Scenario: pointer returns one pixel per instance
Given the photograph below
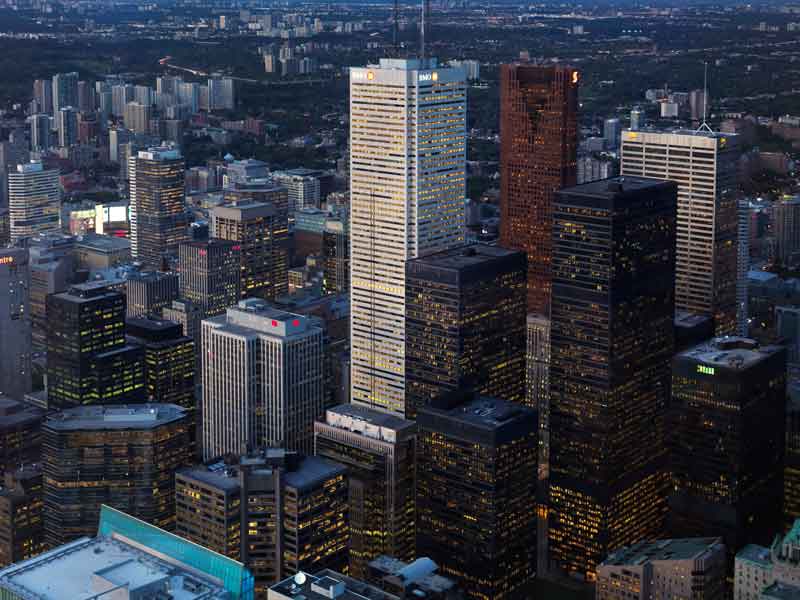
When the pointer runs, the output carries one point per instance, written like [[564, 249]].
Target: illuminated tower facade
[[407, 159], [538, 157], [612, 342]]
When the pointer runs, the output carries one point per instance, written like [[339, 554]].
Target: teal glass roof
[[233, 575]]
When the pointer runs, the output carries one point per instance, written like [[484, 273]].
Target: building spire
[[704, 126]]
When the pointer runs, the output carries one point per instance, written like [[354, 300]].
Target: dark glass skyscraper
[[465, 324], [538, 157], [210, 274], [611, 344], [727, 423], [336, 250], [88, 359], [476, 492]]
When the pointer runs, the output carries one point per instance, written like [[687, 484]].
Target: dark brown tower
[[538, 131]]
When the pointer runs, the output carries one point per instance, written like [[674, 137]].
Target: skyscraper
[[261, 231], [727, 424], [65, 91], [20, 434], [465, 324], [336, 251], [407, 159], [742, 266], [611, 344], [40, 131], [88, 359], [149, 292], [15, 323], [612, 130], [262, 380], [123, 456], [277, 512], [159, 222], [210, 274], [21, 515], [538, 154], [476, 484], [43, 95], [67, 126], [137, 117], [380, 455], [34, 200], [704, 165]]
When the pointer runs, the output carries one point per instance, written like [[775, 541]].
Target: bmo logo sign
[[434, 76]]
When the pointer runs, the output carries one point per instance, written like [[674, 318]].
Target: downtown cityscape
[[442, 300]]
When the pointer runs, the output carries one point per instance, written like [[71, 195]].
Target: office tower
[[221, 93], [40, 131], [188, 314], [52, 266], [704, 165], [391, 221], [159, 221], [408, 580], [692, 568], [637, 119], [123, 456], [769, 572], [189, 95], [5, 227], [67, 126], [336, 252], [465, 324], [281, 352], [482, 535], [34, 201], [210, 274], [21, 508], [379, 453], [20, 435], [261, 231], [277, 512], [127, 559], [121, 94], [86, 97], [791, 462], [786, 224], [612, 131], [117, 137], [539, 140], [698, 104], [168, 362], [303, 186], [137, 117], [727, 440], [65, 91], [742, 266], [105, 106], [611, 342], [88, 359], [43, 95], [15, 323], [148, 293]]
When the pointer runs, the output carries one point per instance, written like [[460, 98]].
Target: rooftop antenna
[[422, 31], [704, 126], [395, 28]]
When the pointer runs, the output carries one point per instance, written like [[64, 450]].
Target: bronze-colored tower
[[538, 131]]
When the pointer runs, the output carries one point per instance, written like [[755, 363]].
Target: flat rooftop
[[675, 549], [312, 471], [704, 133], [124, 416], [466, 256], [217, 475], [14, 414], [615, 187], [483, 412], [368, 415], [253, 316], [103, 243], [86, 567], [755, 554], [322, 585], [731, 352]]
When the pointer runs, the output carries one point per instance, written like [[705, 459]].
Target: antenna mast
[[395, 29], [425, 11], [704, 125]]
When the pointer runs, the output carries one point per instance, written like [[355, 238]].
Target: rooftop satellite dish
[[300, 578]]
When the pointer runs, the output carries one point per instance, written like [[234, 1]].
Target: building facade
[[210, 274], [336, 252], [406, 200], [149, 292], [122, 456], [380, 455], [159, 221], [34, 201], [611, 341], [15, 323], [21, 516], [262, 380], [704, 165], [483, 535], [538, 154], [465, 324], [727, 443]]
